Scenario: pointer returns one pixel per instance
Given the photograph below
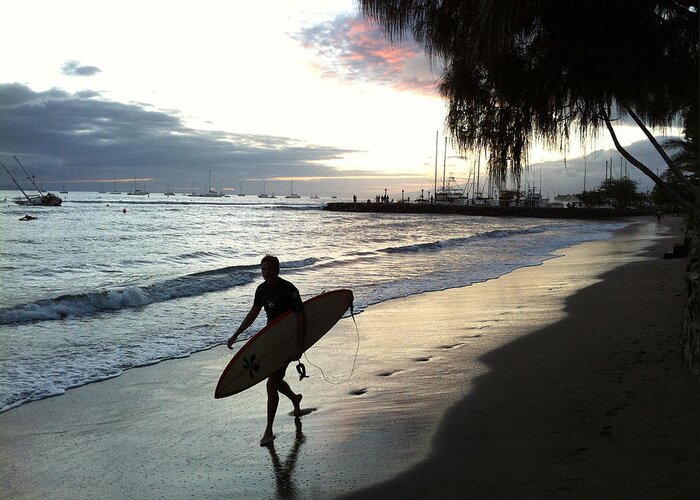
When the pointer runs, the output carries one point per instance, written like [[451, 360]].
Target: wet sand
[[562, 380]]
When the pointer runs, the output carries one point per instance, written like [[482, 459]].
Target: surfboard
[[273, 346]]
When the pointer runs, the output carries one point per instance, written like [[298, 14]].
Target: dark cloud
[[16, 94], [73, 68], [68, 137], [348, 48]]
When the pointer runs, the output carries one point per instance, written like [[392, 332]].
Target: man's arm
[[247, 321]]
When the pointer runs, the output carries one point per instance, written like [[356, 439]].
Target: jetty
[[488, 210]]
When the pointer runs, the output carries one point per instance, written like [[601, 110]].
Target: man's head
[[270, 267]]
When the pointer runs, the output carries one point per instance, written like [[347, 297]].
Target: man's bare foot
[[297, 409], [267, 439]]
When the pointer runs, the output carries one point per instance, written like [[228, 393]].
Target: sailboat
[[42, 200], [291, 191], [137, 192], [168, 192], [450, 192], [263, 194], [210, 193]]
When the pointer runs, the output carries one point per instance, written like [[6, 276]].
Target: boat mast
[[30, 177], [436, 161], [478, 175], [444, 165], [15, 181]]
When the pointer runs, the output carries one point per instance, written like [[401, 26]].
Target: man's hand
[[231, 340]]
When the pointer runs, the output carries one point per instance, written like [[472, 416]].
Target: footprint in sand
[[477, 336], [387, 373], [577, 452], [422, 359], [451, 346], [358, 392], [613, 411]]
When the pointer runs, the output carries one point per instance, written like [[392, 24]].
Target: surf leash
[[301, 370], [357, 350]]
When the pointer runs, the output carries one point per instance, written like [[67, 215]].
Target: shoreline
[[618, 416], [157, 430]]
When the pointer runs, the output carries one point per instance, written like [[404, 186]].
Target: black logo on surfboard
[[250, 365]]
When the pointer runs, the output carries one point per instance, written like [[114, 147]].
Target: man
[[277, 296]]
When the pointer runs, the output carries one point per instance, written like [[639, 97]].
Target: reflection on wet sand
[[286, 488]]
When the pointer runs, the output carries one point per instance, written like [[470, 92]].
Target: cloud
[[73, 68], [350, 49], [68, 137], [570, 176]]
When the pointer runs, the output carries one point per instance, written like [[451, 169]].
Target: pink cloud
[[350, 49]]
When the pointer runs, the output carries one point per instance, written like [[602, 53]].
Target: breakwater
[[487, 210]]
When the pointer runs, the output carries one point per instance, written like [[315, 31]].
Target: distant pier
[[486, 210]]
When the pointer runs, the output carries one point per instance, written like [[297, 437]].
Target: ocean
[[109, 282]]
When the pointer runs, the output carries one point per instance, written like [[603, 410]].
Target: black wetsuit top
[[278, 298]]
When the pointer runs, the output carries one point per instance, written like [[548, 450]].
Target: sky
[[258, 93]]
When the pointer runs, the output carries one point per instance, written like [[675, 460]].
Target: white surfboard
[[273, 346]]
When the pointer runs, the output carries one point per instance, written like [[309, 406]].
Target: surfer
[[277, 296]]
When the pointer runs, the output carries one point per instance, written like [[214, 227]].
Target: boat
[[137, 192], [450, 192], [264, 194], [533, 198], [168, 192], [508, 198], [114, 188], [40, 200], [210, 193], [43, 200], [291, 191]]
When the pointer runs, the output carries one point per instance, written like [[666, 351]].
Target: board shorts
[[278, 375]]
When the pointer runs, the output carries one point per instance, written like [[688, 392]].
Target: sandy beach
[[557, 381]]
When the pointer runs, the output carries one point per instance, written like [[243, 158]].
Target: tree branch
[[671, 164], [634, 161]]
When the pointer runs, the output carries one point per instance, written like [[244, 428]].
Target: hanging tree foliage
[[526, 71]]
